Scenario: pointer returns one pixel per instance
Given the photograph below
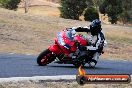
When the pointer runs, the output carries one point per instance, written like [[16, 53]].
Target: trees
[[13, 4], [117, 10], [9, 4], [113, 8], [91, 14], [92, 11], [72, 9], [126, 16], [26, 5]]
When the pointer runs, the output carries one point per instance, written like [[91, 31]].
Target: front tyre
[[45, 58]]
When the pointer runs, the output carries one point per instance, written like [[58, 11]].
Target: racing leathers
[[96, 42]]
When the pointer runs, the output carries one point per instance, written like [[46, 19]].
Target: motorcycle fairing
[[82, 41], [55, 49]]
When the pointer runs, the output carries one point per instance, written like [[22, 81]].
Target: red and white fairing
[[66, 38]]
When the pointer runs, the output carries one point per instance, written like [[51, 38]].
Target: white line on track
[[11, 53], [25, 54], [37, 78], [41, 78], [29, 54]]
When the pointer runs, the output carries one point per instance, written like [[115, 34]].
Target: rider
[[97, 39]]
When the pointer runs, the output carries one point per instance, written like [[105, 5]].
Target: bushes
[[91, 14], [113, 8], [9, 4], [72, 9]]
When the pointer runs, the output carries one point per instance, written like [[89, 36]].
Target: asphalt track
[[18, 65]]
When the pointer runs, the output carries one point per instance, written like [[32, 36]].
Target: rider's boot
[[94, 60], [96, 56]]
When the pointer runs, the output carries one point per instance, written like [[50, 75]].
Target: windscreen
[[60, 39], [69, 35]]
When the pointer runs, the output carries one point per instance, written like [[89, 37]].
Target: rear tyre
[[45, 58]]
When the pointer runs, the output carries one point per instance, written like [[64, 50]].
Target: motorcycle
[[66, 50]]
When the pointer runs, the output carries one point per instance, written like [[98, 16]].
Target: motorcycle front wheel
[[45, 58]]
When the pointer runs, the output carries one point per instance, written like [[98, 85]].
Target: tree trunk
[[26, 6]]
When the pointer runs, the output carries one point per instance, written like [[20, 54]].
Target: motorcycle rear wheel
[[45, 58]]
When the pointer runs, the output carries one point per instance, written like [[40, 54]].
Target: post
[[25, 6]]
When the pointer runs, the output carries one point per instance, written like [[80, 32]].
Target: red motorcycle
[[66, 50]]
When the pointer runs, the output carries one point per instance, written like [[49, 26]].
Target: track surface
[[18, 65]]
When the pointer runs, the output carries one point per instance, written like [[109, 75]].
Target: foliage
[[126, 16], [9, 4], [117, 10], [72, 9], [113, 8], [91, 14]]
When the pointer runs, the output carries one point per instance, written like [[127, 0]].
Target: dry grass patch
[[42, 10], [120, 35], [119, 42]]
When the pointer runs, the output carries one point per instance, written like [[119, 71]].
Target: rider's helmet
[[95, 27]]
